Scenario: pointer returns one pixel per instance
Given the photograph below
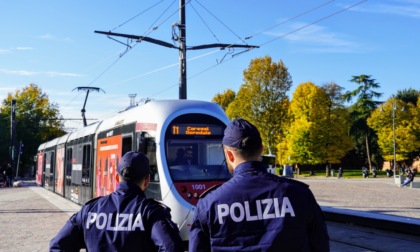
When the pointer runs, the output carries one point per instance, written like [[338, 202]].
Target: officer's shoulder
[[93, 200], [297, 182], [209, 190], [158, 203]]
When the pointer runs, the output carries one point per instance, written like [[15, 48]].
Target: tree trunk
[[367, 153]]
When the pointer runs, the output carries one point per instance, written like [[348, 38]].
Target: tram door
[[67, 172], [86, 182], [127, 144], [59, 170], [39, 168], [147, 145], [49, 165]]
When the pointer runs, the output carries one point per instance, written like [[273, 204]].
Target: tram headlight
[[183, 189], [189, 195], [196, 195]]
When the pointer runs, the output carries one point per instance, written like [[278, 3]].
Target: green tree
[[225, 98], [318, 131], [337, 124], [263, 99], [307, 108], [37, 121], [407, 129], [408, 96], [364, 137]]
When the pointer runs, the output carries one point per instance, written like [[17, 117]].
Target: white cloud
[[406, 8], [29, 73], [47, 37], [4, 51], [23, 48], [318, 38], [57, 74], [17, 72], [54, 38]]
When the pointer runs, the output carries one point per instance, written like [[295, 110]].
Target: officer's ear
[[117, 178], [229, 155], [145, 182]]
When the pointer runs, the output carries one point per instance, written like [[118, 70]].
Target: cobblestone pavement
[[30, 216], [375, 195]]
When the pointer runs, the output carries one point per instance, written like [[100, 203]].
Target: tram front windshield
[[191, 160], [194, 152]]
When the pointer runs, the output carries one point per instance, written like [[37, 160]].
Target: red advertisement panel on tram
[[109, 153]]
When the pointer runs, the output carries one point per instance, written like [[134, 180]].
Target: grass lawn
[[348, 174]]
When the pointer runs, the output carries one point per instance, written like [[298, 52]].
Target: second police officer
[[124, 220], [256, 210]]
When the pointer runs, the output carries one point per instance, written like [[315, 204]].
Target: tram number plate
[[198, 187]]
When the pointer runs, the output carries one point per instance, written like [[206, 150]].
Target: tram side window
[[126, 145], [86, 165], [147, 145], [52, 163], [52, 167], [69, 158], [151, 154]]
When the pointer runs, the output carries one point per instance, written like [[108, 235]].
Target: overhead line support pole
[[182, 40], [182, 52]]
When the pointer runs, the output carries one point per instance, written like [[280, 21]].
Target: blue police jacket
[[122, 221], [258, 211]]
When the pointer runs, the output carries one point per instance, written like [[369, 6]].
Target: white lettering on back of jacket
[[119, 222], [266, 209]]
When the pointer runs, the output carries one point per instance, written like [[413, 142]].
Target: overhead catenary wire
[[283, 35], [139, 14], [290, 19], [243, 40], [314, 22], [263, 44], [204, 22], [288, 33], [131, 47], [221, 22], [153, 27]]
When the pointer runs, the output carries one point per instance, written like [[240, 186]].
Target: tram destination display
[[197, 129]]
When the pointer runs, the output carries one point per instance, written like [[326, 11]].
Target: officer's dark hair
[[135, 181], [249, 148]]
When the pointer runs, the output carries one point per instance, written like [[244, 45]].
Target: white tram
[[82, 164]]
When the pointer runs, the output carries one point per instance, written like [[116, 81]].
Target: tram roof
[[63, 139], [158, 111], [85, 131]]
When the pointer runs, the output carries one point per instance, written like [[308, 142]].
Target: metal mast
[[181, 38], [182, 52]]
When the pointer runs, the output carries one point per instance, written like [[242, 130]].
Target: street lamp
[[394, 108]]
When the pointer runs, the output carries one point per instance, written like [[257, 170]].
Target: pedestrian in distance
[[256, 210], [9, 175], [125, 220], [410, 177]]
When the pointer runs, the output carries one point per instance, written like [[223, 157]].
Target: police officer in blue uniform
[[256, 210], [124, 220]]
